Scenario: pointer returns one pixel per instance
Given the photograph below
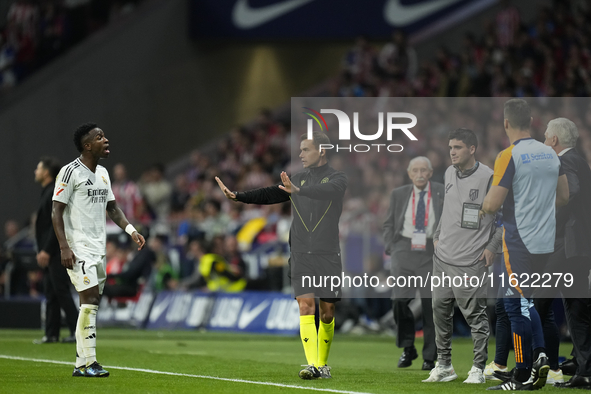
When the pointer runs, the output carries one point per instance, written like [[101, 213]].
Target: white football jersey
[[86, 194]]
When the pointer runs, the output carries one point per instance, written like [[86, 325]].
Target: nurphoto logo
[[345, 129]]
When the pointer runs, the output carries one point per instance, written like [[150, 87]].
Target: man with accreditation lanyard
[[464, 248], [412, 218]]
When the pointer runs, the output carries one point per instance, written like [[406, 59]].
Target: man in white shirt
[[82, 195]]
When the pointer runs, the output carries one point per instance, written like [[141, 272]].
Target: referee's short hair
[[518, 113], [52, 165], [565, 130], [318, 139], [467, 136]]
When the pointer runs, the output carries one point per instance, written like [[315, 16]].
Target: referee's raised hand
[[287, 185], [225, 190]]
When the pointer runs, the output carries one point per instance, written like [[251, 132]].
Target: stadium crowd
[[37, 31], [545, 57], [189, 217]]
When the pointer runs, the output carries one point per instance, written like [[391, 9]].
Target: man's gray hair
[[565, 130], [413, 161]]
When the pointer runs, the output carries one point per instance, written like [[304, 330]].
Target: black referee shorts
[[313, 273]]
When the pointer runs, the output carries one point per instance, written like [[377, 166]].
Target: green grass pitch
[[249, 363]]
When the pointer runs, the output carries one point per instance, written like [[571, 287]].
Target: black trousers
[[405, 326], [58, 296], [578, 317], [551, 336], [422, 264], [576, 306]]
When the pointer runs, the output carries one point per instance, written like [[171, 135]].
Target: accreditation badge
[[418, 241], [471, 216]]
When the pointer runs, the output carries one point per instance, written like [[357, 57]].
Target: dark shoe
[[78, 372], [514, 385], [45, 339], [70, 339], [539, 372], [309, 372], [504, 376], [576, 382], [428, 365], [569, 367], [407, 357], [95, 370], [325, 372]]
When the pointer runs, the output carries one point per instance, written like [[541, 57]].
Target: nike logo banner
[[248, 315], [397, 13], [248, 311], [325, 18], [246, 17]]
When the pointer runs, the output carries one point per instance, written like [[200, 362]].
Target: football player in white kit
[[81, 197]]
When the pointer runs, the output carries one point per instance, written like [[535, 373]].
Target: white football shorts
[[88, 271]]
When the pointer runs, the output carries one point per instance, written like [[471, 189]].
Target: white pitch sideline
[[38, 360]]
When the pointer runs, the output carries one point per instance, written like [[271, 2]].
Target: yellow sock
[[325, 335], [309, 338]]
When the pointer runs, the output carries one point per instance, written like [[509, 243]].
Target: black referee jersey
[[316, 208]]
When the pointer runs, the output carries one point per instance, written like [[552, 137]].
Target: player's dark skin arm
[[57, 217], [118, 217]]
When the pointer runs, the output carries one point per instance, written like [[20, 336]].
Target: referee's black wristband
[[236, 196]]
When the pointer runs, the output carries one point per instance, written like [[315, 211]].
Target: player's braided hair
[[81, 132]]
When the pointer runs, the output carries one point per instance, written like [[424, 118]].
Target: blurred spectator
[[143, 213], [22, 18], [235, 220], [157, 191], [215, 222], [116, 258], [126, 193], [236, 265], [360, 61], [197, 248], [256, 177], [36, 32], [7, 59], [266, 123], [212, 272], [11, 229], [180, 194], [397, 59], [163, 276], [507, 23], [53, 32], [133, 275], [190, 261], [18, 245], [190, 227]]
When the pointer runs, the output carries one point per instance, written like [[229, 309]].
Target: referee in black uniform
[[55, 278], [317, 198]]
